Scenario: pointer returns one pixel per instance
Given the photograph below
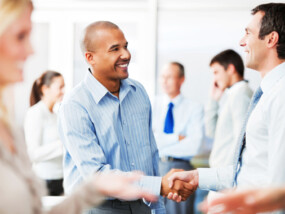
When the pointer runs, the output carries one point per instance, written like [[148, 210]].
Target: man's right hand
[[179, 190], [190, 177], [216, 93]]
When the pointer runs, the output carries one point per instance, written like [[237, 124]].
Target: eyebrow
[[116, 46]]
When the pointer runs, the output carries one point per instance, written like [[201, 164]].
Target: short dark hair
[[273, 20], [180, 68], [227, 57]]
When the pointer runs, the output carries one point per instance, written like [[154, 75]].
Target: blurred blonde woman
[[21, 191], [43, 143]]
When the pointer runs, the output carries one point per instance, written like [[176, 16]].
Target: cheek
[[11, 51]]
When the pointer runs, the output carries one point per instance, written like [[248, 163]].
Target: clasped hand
[[177, 185]]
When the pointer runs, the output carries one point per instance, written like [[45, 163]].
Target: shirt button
[[133, 164]]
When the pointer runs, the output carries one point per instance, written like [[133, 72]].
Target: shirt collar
[[272, 77], [99, 91], [236, 85], [175, 101]]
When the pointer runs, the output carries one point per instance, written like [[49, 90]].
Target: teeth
[[123, 66]]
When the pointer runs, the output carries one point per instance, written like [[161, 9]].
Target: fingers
[[175, 197], [177, 176], [181, 191]]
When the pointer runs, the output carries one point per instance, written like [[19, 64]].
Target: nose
[[242, 42], [126, 55]]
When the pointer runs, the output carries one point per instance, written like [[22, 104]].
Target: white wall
[[158, 31]]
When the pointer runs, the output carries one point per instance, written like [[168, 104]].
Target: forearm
[[164, 140], [186, 148], [84, 197], [45, 152], [216, 179]]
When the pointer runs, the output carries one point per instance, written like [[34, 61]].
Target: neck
[[112, 85], [269, 65], [48, 103], [172, 96], [235, 79]]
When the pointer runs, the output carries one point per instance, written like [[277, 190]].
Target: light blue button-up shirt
[[101, 132]]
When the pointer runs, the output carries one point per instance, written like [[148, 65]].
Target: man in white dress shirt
[[261, 161], [181, 139], [224, 123]]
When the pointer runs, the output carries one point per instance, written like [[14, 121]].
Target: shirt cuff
[[151, 184], [208, 178]]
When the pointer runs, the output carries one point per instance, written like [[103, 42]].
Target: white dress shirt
[[225, 126], [264, 155], [188, 121], [44, 146]]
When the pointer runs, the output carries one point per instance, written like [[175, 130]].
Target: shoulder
[[36, 110], [192, 104], [276, 94], [158, 102], [138, 88], [242, 91], [78, 95], [135, 84]]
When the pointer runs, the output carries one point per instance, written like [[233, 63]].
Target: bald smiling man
[[105, 123]]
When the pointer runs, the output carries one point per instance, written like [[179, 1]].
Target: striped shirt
[[101, 132]]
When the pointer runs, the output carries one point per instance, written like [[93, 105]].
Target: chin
[[124, 76]]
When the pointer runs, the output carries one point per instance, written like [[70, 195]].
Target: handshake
[[178, 185]]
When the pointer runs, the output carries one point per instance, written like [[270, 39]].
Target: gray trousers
[[185, 207], [121, 207]]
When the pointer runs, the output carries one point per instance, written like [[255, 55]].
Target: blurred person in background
[[249, 201], [178, 129], [224, 123], [43, 143], [21, 190]]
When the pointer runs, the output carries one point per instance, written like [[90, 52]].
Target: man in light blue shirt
[[105, 123], [178, 146]]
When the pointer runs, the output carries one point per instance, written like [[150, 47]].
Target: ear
[[89, 58], [231, 69], [182, 79], [44, 89], [272, 39]]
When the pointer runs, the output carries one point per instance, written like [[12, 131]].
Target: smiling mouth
[[123, 65]]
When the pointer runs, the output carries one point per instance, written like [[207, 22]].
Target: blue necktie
[[169, 121], [242, 137]]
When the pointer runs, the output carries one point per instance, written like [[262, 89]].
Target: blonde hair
[[10, 10]]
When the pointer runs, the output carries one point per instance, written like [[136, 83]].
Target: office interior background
[[158, 31]]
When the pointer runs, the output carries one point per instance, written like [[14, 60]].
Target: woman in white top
[[43, 143], [20, 190]]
